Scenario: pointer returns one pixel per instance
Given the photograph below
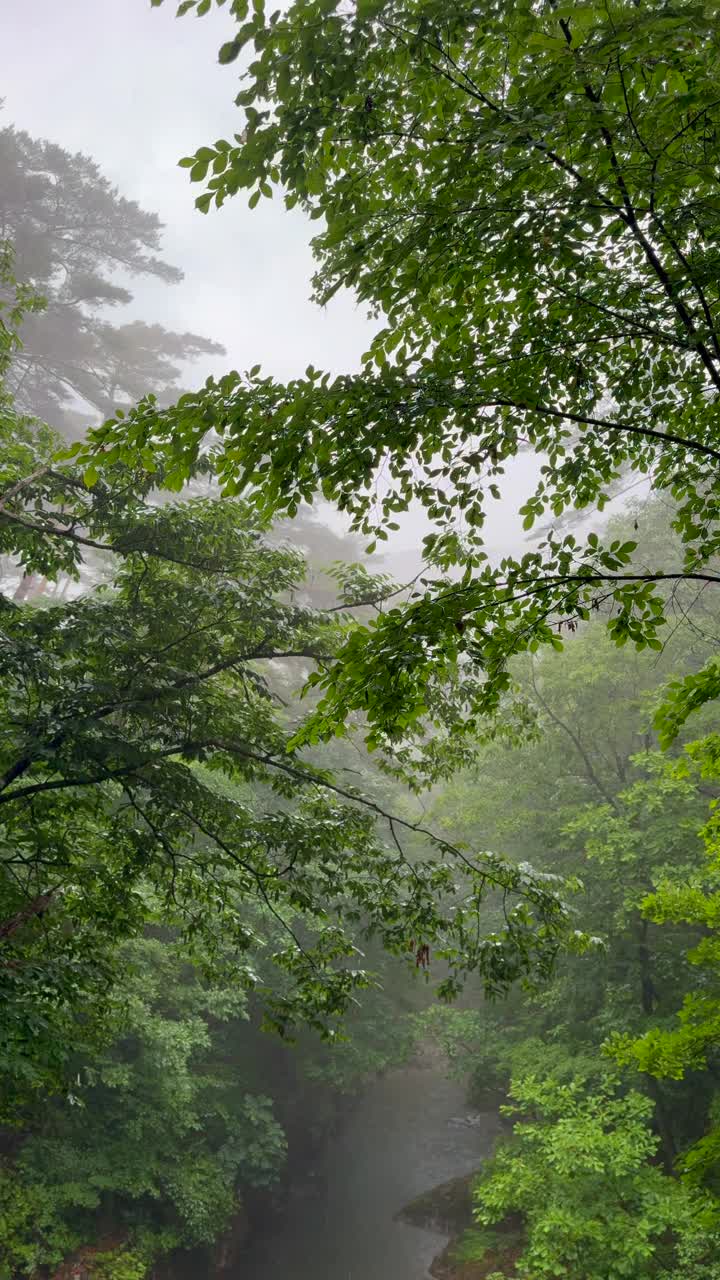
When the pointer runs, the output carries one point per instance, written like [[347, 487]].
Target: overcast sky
[[136, 89]]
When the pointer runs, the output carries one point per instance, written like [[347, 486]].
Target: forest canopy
[[137, 712], [524, 198], [525, 195]]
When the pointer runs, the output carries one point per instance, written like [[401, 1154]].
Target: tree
[[526, 195], [132, 713], [588, 797], [578, 1169], [688, 1043], [161, 1135], [72, 234], [581, 797]]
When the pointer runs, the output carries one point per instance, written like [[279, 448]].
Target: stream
[[409, 1132]]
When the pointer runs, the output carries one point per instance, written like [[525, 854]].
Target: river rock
[[446, 1209]]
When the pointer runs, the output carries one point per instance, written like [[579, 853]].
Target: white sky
[[136, 89]]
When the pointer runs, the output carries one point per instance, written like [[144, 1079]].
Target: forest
[[299, 845]]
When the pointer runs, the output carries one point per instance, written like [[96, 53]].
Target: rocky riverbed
[[447, 1209], [409, 1132]]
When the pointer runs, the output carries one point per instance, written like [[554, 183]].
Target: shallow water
[[410, 1131]]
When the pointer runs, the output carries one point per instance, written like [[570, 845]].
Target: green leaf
[[229, 52]]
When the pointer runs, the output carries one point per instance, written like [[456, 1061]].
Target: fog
[[137, 89], [412, 972]]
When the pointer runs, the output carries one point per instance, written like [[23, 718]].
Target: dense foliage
[[579, 1172], [127, 705], [524, 195], [171, 864], [611, 1097]]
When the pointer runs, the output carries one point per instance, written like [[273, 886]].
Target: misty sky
[[136, 89]]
